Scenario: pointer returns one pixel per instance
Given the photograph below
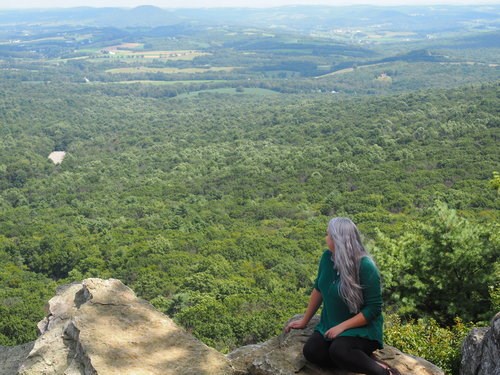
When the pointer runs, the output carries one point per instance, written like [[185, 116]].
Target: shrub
[[425, 338]]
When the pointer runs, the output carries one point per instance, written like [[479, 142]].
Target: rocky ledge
[[101, 327], [282, 355], [481, 350]]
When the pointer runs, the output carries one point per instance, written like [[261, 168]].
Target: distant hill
[[297, 18], [118, 17]]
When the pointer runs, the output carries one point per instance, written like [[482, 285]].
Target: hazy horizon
[[33, 4]]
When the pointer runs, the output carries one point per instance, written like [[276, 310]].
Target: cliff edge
[[101, 327]]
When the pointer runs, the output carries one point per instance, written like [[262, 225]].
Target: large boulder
[[101, 327], [282, 355], [481, 350]]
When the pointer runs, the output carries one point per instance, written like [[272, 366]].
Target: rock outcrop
[[481, 350], [99, 327], [282, 355]]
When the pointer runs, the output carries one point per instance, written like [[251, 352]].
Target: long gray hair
[[347, 257]]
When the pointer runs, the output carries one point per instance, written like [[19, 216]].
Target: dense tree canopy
[[215, 205]]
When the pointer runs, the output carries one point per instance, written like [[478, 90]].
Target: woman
[[348, 285]]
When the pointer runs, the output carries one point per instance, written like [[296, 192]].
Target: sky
[[23, 4]]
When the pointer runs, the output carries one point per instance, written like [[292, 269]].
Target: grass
[[151, 82], [232, 91], [124, 46], [142, 69], [348, 70], [390, 35], [164, 55]]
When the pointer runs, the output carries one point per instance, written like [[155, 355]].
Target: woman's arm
[[357, 320], [315, 301]]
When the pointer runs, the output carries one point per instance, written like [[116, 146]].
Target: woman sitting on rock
[[351, 323]]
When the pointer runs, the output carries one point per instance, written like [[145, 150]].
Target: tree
[[495, 181], [441, 267]]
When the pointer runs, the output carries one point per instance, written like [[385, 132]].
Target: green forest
[[209, 193]]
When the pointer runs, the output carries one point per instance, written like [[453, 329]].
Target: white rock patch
[[57, 156]]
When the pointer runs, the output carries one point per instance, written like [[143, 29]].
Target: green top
[[335, 310]]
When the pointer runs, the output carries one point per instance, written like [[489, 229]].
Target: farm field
[[236, 91], [162, 55], [153, 82], [143, 69]]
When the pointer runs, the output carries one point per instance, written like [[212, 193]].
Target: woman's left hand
[[334, 332]]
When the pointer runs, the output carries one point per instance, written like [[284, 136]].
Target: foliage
[[427, 339], [224, 201], [494, 289], [22, 297], [495, 181], [445, 267]]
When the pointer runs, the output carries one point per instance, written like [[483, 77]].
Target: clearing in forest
[[143, 69], [121, 52]]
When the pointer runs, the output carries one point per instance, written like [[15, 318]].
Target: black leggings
[[347, 353]]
